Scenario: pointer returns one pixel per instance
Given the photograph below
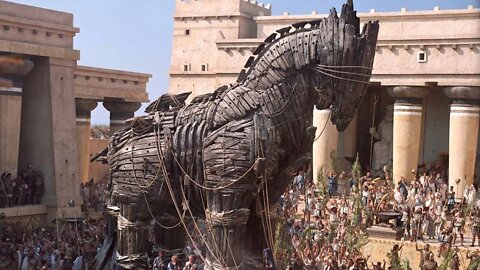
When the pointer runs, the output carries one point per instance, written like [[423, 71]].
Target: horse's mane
[[348, 15]]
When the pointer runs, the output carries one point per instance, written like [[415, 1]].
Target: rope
[[196, 225], [133, 167], [125, 224], [284, 106], [233, 217], [210, 227], [337, 77], [362, 67], [158, 222], [293, 119], [151, 183], [263, 225], [167, 180], [221, 267], [267, 214], [230, 249], [140, 125], [324, 127], [344, 72], [157, 146], [212, 188], [132, 261], [159, 248], [159, 150], [267, 225]]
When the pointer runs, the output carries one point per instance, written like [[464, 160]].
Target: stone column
[[119, 112], [10, 116], [349, 139], [12, 69], [325, 144], [407, 127], [463, 136], [84, 107], [48, 140]]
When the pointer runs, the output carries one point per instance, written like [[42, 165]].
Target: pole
[[76, 229], [375, 100]]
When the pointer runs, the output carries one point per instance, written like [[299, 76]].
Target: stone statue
[[383, 149], [211, 159]]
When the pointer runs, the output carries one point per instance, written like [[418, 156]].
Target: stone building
[[425, 83], [45, 110]]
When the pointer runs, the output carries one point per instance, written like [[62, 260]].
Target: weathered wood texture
[[220, 152]]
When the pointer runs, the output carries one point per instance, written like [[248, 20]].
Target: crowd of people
[[24, 189], [68, 244], [28, 187], [161, 262], [94, 195], [64, 246], [327, 224]]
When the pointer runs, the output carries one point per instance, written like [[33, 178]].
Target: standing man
[[458, 226], [475, 217], [191, 264], [424, 254], [300, 181], [173, 263], [332, 184], [159, 262]]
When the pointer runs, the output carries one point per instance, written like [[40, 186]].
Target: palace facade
[[422, 106], [46, 103]]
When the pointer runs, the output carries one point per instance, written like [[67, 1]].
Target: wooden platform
[[24, 217]]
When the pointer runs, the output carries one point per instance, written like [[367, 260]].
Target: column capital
[[83, 108], [463, 94], [15, 64], [408, 93], [82, 104], [121, 106]]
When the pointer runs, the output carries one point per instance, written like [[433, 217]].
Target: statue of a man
[[383, 149]]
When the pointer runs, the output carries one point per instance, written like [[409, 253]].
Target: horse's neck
[[283, 58], [289, 105]]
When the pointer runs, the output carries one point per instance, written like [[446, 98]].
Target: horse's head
[[344, 63], [332, 50]]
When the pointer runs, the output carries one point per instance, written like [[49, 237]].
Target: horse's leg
[[228, 162], [170, 234], [133, 234], [226, 225]]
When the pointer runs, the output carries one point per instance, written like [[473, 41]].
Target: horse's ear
[[350, 15], [333, 13]]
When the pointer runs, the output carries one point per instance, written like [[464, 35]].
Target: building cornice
[[112, 74], [40, 50], [238, 44], [366, 16], [454, 43], [29, 24], [213, 17], [194, 73], [100, 83]]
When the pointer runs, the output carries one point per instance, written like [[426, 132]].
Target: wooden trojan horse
[[212, 159]]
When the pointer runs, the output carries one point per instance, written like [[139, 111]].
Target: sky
[[136, 35]]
